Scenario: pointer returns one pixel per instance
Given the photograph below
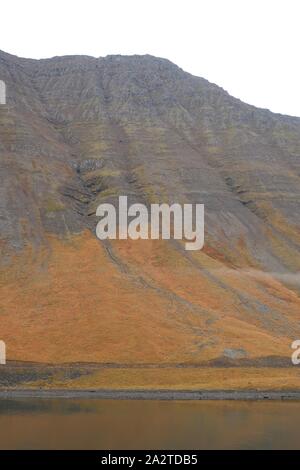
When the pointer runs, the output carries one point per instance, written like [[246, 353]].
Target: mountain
[[77, 131]]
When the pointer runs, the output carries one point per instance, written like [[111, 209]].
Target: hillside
[[77, 131]]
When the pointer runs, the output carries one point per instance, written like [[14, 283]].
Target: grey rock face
[[77, 131]]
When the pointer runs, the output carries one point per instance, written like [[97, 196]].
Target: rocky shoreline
[[155, 394]]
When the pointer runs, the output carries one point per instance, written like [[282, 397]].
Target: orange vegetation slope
[[78, 300]]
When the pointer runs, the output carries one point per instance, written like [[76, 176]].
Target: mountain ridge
[[135, 56], [78, 131]]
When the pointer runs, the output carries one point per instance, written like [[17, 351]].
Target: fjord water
[[145, 424]]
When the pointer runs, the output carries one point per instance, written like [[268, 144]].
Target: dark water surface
[[145, 424]]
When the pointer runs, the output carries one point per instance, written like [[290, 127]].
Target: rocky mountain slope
[[78, 131]]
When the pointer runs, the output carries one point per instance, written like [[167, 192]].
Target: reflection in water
[[145, 424]]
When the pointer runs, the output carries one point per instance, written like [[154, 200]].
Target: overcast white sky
[[249, 47]]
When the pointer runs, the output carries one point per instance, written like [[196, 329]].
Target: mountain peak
[[78, 131]]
